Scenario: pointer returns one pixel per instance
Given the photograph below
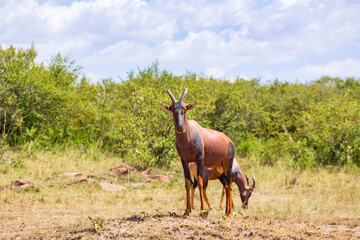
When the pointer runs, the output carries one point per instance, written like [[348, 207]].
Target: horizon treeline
[[54, 104]]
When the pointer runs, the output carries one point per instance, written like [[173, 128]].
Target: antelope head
[[249, 190], [178, 108]]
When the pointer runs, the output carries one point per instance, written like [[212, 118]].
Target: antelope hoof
[[187, 212], [204, 214]]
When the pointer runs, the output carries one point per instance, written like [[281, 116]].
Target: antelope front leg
[[187, 187], [200, 173]]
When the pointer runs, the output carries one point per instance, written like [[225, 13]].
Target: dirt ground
[[164, 227], [173, 226]]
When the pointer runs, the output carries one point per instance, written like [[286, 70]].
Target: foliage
[[304, 124], [97, 223]]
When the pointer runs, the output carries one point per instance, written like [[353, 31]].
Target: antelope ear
[[165, 107], [190, 106]]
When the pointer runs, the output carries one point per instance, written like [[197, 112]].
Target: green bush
[[307, 125]]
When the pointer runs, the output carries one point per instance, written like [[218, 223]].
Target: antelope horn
[[171, 96], [247, 180], [183, 95], [253, 181]]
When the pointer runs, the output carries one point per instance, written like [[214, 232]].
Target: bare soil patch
[[161, 226]]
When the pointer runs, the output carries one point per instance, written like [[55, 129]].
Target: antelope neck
[[184, 136], [241, 183]]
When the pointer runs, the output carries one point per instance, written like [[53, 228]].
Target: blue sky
[[287, 40]]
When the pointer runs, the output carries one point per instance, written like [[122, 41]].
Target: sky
[[288, 40]]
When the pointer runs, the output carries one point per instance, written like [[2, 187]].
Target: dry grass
[[322, 203]]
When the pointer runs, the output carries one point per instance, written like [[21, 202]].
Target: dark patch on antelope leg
[[231, 155], [223, 180], [199, 147], [231, 150], [194, 185], [187, 187], [206, 177], [191, 182], [186, 170]]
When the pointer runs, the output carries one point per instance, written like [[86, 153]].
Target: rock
[[134, 184], [162, 177], [83, 180], [18, 184], [111, 186], [72, 174], [121, 170], [146, 173], [159, 177]]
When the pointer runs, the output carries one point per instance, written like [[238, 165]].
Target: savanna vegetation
[[300, 140], [54, 104]]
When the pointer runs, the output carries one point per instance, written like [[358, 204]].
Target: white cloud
[[339, 68], [220, 38], [129, 52], [285, 4], [98, 21]]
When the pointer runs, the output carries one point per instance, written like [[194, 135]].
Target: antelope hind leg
[[229, 209], [207, 200], [222, 198]]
